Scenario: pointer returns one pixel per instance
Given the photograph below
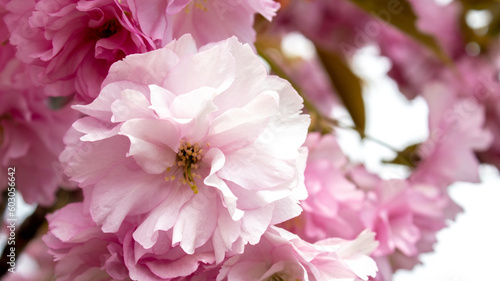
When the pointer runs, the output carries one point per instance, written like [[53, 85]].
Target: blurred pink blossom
[[30, 132], [456, 132], [333, 205], [477, 81], [405, 217], [344, 199], [414, 65], [207, 21], [334, 24], [30, 141], [70, 44], [80, 249], [442, 22]]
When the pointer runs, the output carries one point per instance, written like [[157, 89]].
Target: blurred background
[[467, 249]]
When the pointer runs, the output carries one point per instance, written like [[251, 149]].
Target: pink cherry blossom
[[405, 217], [80, 249], [71, 44], [30, 132], [413, 65], [13, 74], [30, 141], [345, 28], [83, 252], [456, 132], [281, 255], [442, 22], [433, 208], [476, 82], [334, 24], [202, 145], [391, 217], [345, 199], [333, 205], [207, 21]]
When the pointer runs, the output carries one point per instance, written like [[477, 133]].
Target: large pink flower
[[202, 145], [71, 44], [281, 255], [207, 21]]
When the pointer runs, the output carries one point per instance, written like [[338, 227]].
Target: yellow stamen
[[188, 156]]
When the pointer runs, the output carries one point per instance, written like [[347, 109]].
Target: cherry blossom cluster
[[190, 160]]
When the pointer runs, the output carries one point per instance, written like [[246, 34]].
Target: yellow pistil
[[198, 4], [188, 157]]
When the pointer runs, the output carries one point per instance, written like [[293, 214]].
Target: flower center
[[279, 277], [188, 157], [198, 4], [109, 28]]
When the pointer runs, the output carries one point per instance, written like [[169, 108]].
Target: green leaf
[[400, 14], [348, 87], [494, 26], [408, 157], [478, 4], [56, 103]]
